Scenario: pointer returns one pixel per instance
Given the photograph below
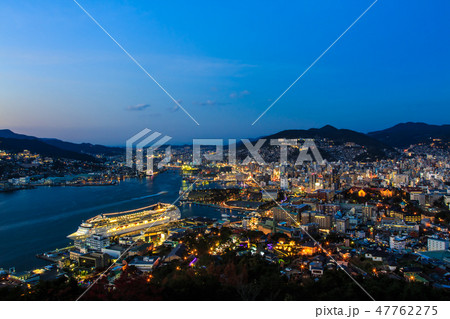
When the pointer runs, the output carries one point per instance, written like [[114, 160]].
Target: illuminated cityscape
[[373, 220], [239, 151]]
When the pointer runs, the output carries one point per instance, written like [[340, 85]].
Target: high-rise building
[[97, 242], [282, 215], [307, 217], [342, 225], [324, 221], [284, 183], [368, 213], [437, 244]]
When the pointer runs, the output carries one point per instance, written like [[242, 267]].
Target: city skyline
[[226, 151], [63, 77]]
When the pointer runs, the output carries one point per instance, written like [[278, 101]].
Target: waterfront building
[[115, 251], [97, 242], [94, 260], [145, 263]]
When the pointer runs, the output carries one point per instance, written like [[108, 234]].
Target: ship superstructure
[[120, 223]]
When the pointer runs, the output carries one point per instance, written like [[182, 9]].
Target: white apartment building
[[437, 244]]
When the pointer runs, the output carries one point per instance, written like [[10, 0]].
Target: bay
[[37, 220]]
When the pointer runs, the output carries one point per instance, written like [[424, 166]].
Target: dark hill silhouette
[[86, 148], [406, 134], [374, 147], [38, 147]]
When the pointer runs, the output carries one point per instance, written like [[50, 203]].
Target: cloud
[[213, 103], [241, 94], [138, 107], [175, 107]]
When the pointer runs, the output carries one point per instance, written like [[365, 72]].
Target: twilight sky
[[62, 76]]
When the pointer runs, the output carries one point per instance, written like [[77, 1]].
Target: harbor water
[[34, 221]]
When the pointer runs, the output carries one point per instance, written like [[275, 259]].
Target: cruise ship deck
[[120, 223]]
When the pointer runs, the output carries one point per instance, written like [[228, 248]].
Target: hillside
[[38, 147], [405, 134], [86, 148], [334, 143]]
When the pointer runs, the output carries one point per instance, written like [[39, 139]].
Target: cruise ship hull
[[120, 223]]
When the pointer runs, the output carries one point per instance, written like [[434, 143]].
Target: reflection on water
[[38, 220]]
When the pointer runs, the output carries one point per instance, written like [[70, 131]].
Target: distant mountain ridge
[[376, 145], [83, 148], [375, 149], [405, 134], [87, 148], [10, 134], [38, 147]]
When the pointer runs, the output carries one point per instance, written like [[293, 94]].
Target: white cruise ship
[[119, 223]]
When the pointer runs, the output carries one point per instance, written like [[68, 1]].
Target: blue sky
[[61, 76]]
